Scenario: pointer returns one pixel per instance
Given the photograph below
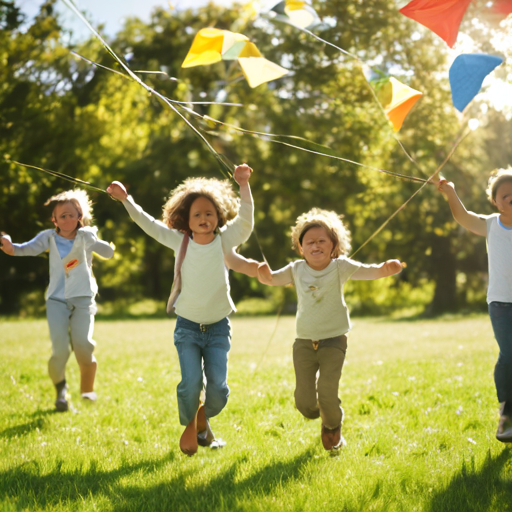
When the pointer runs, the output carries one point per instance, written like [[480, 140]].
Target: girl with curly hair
[[497, 228], [70, 304], [203, 222], [322, 316]]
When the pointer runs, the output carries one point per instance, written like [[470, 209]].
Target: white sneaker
[[92, 396]]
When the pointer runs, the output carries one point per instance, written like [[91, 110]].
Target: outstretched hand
[[117, 190], [242, 174], [392, 267], [6, 244]]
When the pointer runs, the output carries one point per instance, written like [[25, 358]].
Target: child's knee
[[307, 410]]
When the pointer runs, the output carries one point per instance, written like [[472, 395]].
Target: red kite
[[502, 7], [441, 16]]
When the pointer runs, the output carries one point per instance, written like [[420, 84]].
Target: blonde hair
[[177, 208], [498, 177], [79, 199], [331, 222]]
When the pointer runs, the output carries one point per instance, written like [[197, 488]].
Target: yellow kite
[[397, 100], [212, 45]]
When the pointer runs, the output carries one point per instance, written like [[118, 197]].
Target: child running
[[70, 304], [195, 225], [497, 228], [322, 316]]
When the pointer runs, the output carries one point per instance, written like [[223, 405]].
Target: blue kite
[[467, 74]]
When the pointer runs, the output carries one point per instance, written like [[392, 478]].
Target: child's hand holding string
[[444, 186], [6, 244], [242, 174], [117, 190]]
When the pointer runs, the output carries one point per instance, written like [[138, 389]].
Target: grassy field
[[420, 419]]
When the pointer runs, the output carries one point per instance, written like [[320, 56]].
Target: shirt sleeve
[[283, 276], [347, 267], [239, 229], [154, 228], [34, 247], [94, 244]]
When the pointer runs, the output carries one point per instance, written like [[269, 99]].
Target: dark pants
[[314, 398], [501, 320]]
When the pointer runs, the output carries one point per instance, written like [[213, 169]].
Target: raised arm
[[469, 220], [280, 277], [154, 228], [239, 230], [371, 272]]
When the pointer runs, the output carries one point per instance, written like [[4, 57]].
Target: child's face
[[203, 218], [317, 248], [65, 217], [503, 199]]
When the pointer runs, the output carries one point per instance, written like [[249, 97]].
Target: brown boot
[[188, 440]]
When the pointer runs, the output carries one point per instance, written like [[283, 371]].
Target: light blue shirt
[[64, 245]]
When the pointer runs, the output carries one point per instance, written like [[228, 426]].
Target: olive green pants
[[318, 397]]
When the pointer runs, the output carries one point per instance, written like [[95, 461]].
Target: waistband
[[194, 326]]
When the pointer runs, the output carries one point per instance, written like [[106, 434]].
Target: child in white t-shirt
[[497, 228], [322, 316], [70, 304], [203, 223]]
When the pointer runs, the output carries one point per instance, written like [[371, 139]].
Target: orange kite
[[441, 16]]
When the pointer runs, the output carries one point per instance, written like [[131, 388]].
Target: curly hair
[[331, 222], [498, 177], [177, 208], [79, 199]]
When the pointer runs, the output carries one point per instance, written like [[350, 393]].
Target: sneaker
[[91, 396], [61, 404]]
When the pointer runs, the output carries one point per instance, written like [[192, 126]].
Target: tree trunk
[[445, 272]]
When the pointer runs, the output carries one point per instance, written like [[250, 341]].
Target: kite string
[[461, 137], [149, 89]]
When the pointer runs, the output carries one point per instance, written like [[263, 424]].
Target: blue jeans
[[203, 354], [501, 320]]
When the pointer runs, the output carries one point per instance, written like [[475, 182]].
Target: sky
[[112, 12]]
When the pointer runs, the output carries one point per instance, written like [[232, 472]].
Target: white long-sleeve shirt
[[73, 273], [204, 296]]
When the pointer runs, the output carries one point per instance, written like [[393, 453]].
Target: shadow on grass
[[228, 490], [26, 428], [479, 490]]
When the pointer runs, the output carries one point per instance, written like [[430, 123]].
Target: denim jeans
[[203, 355], [501, 320]]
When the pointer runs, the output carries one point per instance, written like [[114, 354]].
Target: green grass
[[419, 401]]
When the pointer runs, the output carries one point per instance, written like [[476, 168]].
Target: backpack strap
[[176, 285]]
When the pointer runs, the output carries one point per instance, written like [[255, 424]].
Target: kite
[[467, 74], [441, 16], [296, 12], [397, 99], [212, 45]]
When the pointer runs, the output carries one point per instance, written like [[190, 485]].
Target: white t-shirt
[[499, 253], [321, 309], [204, 296]]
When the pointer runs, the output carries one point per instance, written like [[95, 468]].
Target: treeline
[[61, 113]]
